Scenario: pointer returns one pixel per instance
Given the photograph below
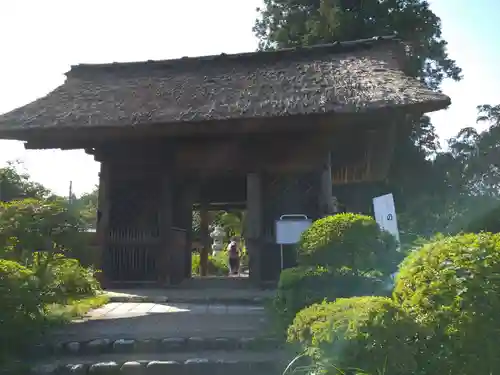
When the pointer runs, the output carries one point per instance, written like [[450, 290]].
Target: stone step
[[148, 320], [154, 345], [199, 296], [217, 282], [187, 299], [190, 363]]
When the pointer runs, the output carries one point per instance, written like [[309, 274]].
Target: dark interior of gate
[[269, 132], [149, 188], [150, 196]]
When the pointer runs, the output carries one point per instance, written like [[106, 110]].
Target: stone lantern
[[217, 236]]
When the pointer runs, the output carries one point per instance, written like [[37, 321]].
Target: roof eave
[[57, 135]]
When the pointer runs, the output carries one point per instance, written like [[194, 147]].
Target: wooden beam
[[83, 137]]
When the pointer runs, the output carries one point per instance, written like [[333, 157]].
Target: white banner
[[385, 214]]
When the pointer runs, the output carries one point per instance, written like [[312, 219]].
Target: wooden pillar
[[187, 198], [205, 237], [165, 220], [326, 187], [102, 225], [253, 223]]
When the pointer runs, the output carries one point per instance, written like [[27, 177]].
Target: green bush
[[370, 334], [66, 279], [299, 287], [31, 225], [452, 286], [349, 241], [21, 311], [217, 265], [26, 295]]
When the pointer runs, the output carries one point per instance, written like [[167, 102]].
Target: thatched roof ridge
[[186, 63], [347, 77]]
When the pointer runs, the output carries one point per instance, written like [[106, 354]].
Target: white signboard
[[290, 227], [385, 214]]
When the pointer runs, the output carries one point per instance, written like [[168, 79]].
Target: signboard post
[[289, 228], [385, 214]]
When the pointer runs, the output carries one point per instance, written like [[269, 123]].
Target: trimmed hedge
[[370, 334], [349, 241], [452, 286], [300, 287]]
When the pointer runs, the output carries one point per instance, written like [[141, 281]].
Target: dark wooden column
[[187, 199], [205, 237], [165, 220], [253, 223], [326, 186], [102, 225]]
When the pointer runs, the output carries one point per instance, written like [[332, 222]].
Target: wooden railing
[[131, 263], [133, 236]]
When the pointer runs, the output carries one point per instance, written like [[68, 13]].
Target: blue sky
[[473, 34], [40, 45]]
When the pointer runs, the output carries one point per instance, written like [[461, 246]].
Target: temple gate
[[270, 132]]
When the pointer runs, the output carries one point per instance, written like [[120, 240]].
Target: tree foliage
[[87, 205], [470, 176], [17, 185], [34, 231], [292, 23]]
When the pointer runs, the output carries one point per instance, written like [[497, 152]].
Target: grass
[[74, 309]]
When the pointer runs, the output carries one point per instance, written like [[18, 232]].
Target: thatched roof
[[338, 78]]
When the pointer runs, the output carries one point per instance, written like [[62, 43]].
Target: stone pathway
[[156, 337]]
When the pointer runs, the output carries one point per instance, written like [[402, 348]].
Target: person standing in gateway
[[234, 257]]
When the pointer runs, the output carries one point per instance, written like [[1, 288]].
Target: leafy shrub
[[452, 286], [32, 225], [21, 312], [371, 334], [349, 241], [37, 233], [66, 279], [299, 287], [195, 263], [217, 265]]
